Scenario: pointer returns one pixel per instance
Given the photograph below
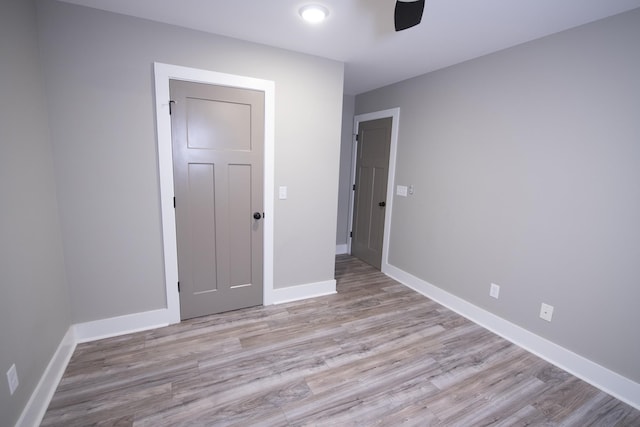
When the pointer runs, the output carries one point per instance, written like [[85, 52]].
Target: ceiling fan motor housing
[[408, 14]]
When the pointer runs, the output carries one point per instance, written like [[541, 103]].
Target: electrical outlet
[[546, 312], [12, 377], [495, 291]]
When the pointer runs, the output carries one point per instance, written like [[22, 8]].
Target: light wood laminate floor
[[375, 354]]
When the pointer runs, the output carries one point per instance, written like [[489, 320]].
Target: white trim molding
[[300, 292], [164, 73], [342, 249], [606, 380], [121, 325], [394, 113], [38, 403]]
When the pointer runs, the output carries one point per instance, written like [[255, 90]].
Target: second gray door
[[218, 139], [372, 170]]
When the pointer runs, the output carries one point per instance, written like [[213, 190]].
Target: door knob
[[382, 204], [256, 215]]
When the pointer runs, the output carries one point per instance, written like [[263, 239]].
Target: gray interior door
[[218, 144], [372, 169]]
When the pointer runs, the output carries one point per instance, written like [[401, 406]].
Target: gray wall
[[98, 75], [34, 305], [344, 191], [526, 167]]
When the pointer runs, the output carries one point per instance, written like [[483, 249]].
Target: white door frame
[[163, 73], [394, 113]]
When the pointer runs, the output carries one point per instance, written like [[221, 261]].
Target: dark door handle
[[382, 204], [256, 215]]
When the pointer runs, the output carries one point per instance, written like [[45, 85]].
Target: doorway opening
[[163, 74], [359, 120]]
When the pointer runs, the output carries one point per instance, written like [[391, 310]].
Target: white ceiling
[[360, 33]]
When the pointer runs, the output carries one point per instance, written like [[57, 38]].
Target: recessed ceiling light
[[314, 13]]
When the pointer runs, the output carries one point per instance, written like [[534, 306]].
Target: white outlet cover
[[401, 190], [12, 378], [546, 312], [494, 291]]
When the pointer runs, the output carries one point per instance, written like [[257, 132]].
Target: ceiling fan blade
[[408, 14]]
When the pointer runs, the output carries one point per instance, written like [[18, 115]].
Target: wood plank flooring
[[375, 354]]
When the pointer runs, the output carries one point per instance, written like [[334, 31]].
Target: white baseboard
[[39, 401], [342, 249], [310, 290], [606, 380], [121, 325]]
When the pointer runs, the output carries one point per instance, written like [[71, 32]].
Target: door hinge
[[351, 234], [354, 187], [357, 137], [178, 286], [174, 203], [170, 109]]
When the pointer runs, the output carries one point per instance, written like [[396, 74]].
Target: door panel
[[218, 125], [202, 232], [372, 169], [218, 138], [376, 231], [364, 197], [240, 225]]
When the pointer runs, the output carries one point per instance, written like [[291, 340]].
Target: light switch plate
[[401, 190], [12, 378], [282, 192], [494, 291]]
